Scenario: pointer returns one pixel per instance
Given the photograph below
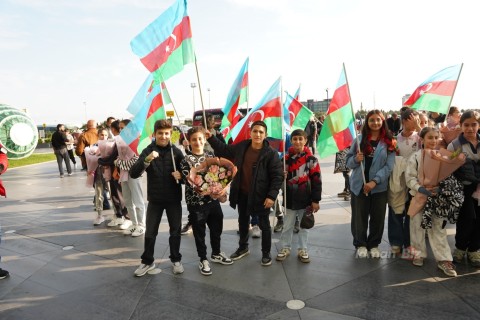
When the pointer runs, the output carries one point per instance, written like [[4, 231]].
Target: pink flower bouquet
[[433, 167], [212, 177], [449, 134], [105, 148], [91, 155]]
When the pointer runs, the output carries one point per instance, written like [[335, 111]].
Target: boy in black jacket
[[160, 160], [256, 185]]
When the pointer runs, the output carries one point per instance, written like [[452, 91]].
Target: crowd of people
[[381, 170]]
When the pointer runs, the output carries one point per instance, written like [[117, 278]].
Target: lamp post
[[208, 89], [193, 85], [327, 98], [85, 107]]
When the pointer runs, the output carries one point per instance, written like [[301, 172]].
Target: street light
[[85, 106], [208, 89], [327, 98], [193, 85]]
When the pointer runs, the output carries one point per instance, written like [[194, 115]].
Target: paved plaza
[[62, 267]]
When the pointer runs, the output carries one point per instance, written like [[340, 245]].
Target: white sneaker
[[115, 221], [375, 253], [138, 231], [362, 252], [177, 267], [125, 224], [130, 231], [256, 232], [143, 269], [98, 220], [204, 267]]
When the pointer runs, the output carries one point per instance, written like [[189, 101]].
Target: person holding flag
[[371, 158], [256, 185]]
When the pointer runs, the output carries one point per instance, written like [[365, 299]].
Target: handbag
[[308, 219]]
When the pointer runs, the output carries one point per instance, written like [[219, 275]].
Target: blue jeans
[[287, 233], [154, 216]]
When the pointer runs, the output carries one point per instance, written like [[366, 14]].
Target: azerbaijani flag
[[338, 130], [237, 96], [436, 93], [297, 115], [269, 109], [138, 133], [165, 45]]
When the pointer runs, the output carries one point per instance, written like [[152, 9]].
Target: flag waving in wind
[[297, 115], [138, 133], [237, 96], [269, 110], [436, 93], [338, 130], [166, 44]]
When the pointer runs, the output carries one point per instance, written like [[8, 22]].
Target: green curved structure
[[18, 132]]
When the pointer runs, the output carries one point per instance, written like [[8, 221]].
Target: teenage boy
[[256, 185], [304, 188], [161, 160]]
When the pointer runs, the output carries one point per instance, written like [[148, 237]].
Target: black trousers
[[467, 236], [368, 214], [210, 214], [244, 223], [154, 216]]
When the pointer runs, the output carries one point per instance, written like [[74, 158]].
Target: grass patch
[[34, 158]]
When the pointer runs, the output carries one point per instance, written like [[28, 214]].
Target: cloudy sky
[[68, 60]]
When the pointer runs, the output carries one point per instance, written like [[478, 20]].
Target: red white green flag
[[297, 116], [165, 45], [338, 130], [237, 96], [436, 93], [269, 109]]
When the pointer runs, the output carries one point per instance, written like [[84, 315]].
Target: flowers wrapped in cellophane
[[434, 166], [91, 156], [449, 134], [212, 177], [105, 148]]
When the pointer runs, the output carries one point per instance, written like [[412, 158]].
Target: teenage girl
[[371, 162]]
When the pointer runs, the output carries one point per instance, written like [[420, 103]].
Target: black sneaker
[[187, 228], [279, 226], [4, 274], [204, 267], [221, 258], [266, 259], [239, 254]]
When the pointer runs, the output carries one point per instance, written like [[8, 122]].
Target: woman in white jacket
[[437, 234]]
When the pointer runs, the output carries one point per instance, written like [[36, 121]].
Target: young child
[[437, 235], [467, 236], [99, 184], [372, 161], [304, 188], [164, 193], [203, 209]]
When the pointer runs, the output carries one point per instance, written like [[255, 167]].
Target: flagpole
[[201, 95], [455, 88], [284, 153], [354, 127], [173, 106]]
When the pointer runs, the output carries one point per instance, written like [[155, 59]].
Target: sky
[[66, 61]]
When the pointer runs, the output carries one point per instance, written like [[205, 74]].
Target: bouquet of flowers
[[449, 133], [435, 166], [126, 158], [212, 177], [105, 148], [91, 156]]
